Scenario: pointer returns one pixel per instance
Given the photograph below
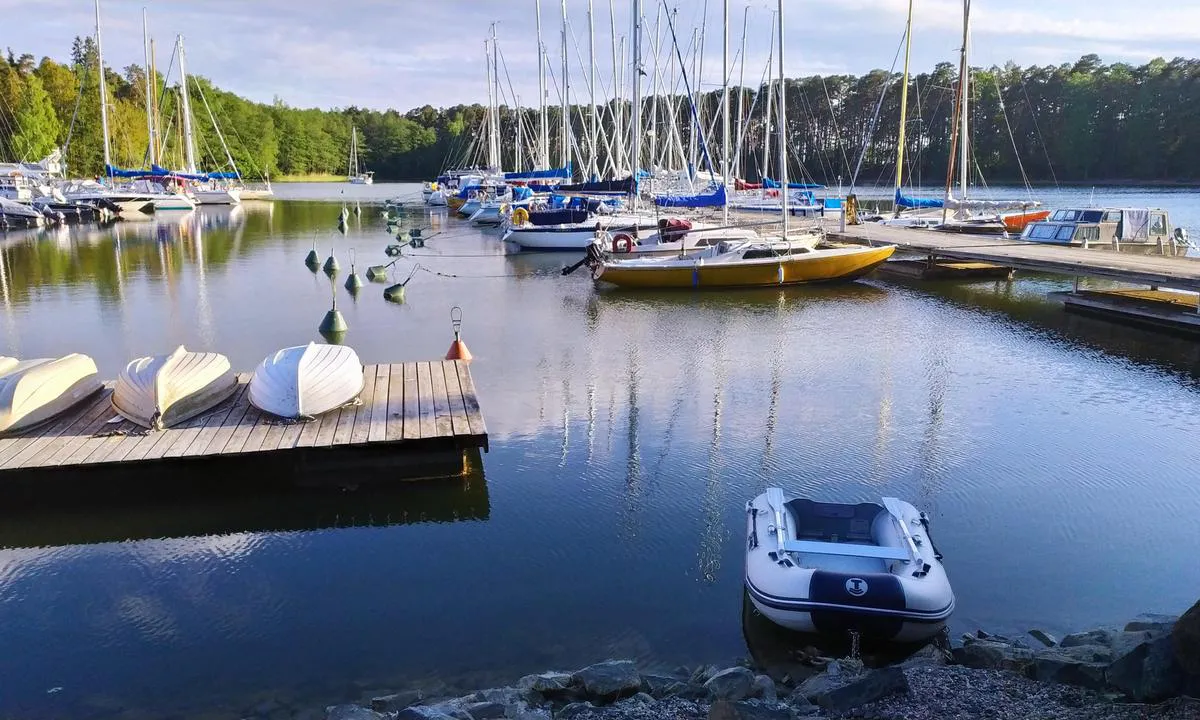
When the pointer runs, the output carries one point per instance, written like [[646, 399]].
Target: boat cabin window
[[1112, 216], [1066, 232], [1158, 224], [1090, 216], [1043, 231], [1065, 215], [1089, 233]]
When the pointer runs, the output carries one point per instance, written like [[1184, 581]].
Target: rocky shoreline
[[1149, 669]]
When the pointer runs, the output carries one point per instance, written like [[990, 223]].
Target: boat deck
[[1131, 267], [417, 407]]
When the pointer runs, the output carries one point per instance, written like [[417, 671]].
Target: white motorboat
[[19, 215], [164, 390], [577, 235], [307, 380], [831, 567], [34, 391]]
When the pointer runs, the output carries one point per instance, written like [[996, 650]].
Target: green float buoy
[[313, 261], [331, 265], [357, 208], [394, 293], [333, 326], [377, 273], [355, 281]]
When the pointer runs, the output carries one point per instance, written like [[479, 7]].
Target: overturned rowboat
[[164, 390], [306, 380], [831, 568], [35, 391]]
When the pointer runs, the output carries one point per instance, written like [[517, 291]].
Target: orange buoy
[[458, 349]]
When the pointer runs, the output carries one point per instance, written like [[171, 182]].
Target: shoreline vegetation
[[1148, 669], [1076, 124]]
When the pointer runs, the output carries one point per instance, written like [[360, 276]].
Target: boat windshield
[[1045, 231]]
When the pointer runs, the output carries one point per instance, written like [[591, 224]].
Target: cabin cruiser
[[19, 215], [1110, 228], [127, 201], [831, 568]]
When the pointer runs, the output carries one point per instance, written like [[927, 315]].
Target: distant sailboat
[[354, 174]]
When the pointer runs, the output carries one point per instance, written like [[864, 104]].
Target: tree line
[[1078, 122]]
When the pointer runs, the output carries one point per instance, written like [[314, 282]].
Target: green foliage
[[1082, 121]]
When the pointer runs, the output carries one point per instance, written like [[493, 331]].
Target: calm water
[[1057, 456]]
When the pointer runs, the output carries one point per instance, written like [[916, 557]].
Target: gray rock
[[1152, 622], [351, 712], [992, 655], [431, 712], [502, 695], [1148, 672], [309, 714], [703, 673], [801, 703], [846, 692], [395, 701], [524, 712], [610, 680], [485, 710], [1062, 666], [730, 684], [574, 709], [1043, 637], [764, 688], [548, 683], [661, 686], [640, 700], [748, 710], [692, 691], [1186, 637], [931, 654], [1100, 636], [1082, 653]]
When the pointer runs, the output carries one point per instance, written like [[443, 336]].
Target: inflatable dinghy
[[831, 568]]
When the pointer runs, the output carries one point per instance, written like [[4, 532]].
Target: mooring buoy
[[331, 264], [458, 349], [377, 273], [333, 326], [394, 293], [355, 281], [313, 261]]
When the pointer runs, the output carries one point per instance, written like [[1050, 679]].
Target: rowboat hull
[[36, 391], [164, 390], [1017, 221], [306, 381], [788, 270]]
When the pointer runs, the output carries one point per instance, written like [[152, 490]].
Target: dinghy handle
[[775, 500], [893, 507]]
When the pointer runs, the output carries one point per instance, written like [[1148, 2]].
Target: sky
[[407, 53]]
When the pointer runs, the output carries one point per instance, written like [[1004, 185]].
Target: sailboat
[[736, 263], [354, 175]]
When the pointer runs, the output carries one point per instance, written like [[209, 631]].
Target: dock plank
[[220, 438], [218, 419], [425, 400], [186, 433], [470, 399], [399, 390], [458, 409], [124, 434], [377, 432], [348, 415], [241, 433], [362, 419], [327, 428], [40, 443], [443, 426]]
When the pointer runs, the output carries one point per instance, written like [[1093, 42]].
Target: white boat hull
[[362, 181], [306, 381], [576, 236], [228, 196], [173, 202], [36, 391], [164, 390]]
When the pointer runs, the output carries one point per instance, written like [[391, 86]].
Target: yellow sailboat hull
[[789, 270]]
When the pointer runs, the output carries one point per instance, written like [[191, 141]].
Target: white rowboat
[[165, 390], [307, 380], [34, 391]]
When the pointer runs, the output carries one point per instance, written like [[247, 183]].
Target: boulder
[[1186, 637], [764, 688], [692, 691], [1148, 672], [930, 654], [1100, 636], [703, 673], [846, 691], [573, 710], [1082, 653], [548, 684], [429, 712], [730, 684], [748, 710], [1043, 637], [661, 686], [485, 710], [610, 680], [993, 655], [395, 701], [1152, 622], [1060, 665], [351, 712]]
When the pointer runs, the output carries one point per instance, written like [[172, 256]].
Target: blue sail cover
[[774, 184], [710, 199], [552, 173], [915, 203], [627, 186], [111, 171], [161, 171]]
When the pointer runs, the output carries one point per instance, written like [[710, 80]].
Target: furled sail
[[716, 198]]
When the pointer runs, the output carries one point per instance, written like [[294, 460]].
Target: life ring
[[622, 238], [520, 216]]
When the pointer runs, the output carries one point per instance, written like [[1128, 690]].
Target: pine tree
[[37, 126]]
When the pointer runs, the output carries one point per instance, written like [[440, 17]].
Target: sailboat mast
[[783, 170], [593, 141], [494, 147], [725, 114], [189, 142], [544, 138], [900, 138], [618, 111], [103, 95], [742, 97], [635, 108], [964, 146], [149, 102], [565, 151], [156, 141]]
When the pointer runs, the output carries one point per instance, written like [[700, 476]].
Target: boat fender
[[622, 242]]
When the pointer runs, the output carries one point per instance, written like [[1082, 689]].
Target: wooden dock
[[1155, 309], [407, 410], [1139, 269]]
